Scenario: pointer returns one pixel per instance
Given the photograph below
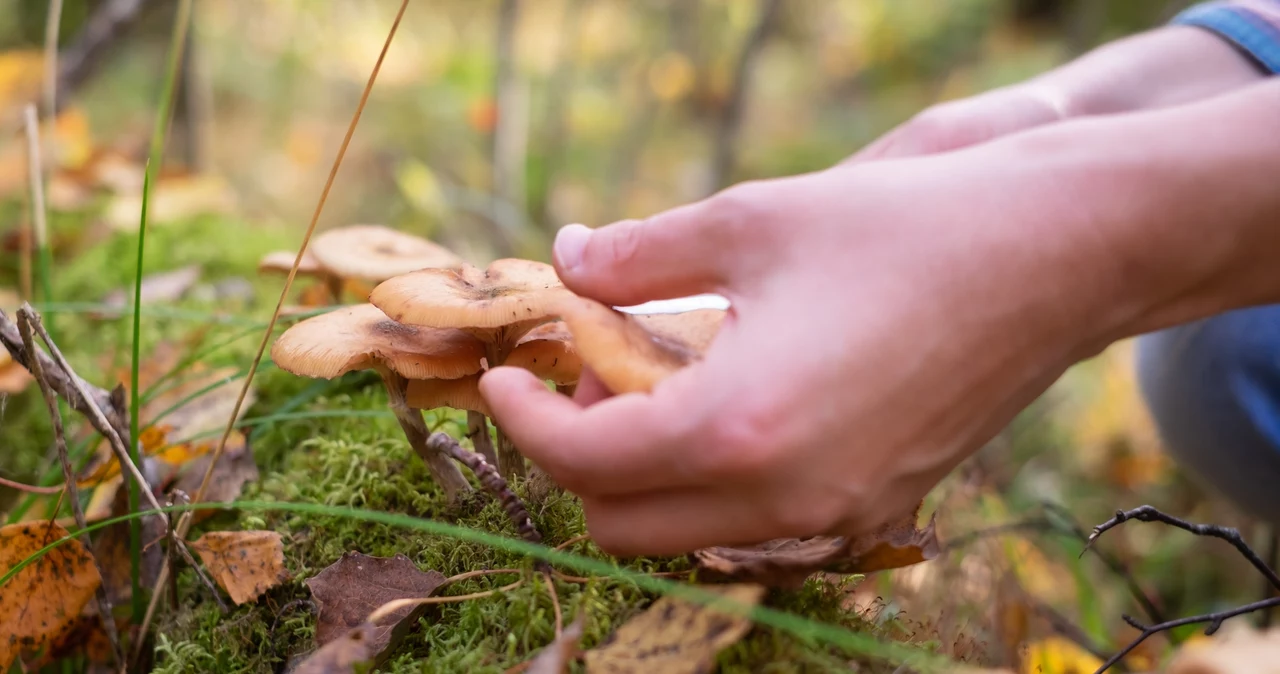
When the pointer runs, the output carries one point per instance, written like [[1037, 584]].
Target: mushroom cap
[[633, 353], [377, 253], [282, 261], [548, 352], [462, 393], [509, 292], [358, 337]]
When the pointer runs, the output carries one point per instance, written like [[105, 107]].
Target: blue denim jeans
[[1213, 388]]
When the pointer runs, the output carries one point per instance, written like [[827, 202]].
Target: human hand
[[1163, 67], [877, 336]]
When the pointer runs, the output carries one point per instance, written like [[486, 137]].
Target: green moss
[[355, 457]]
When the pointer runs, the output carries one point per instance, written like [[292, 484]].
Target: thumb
[[684, 251]]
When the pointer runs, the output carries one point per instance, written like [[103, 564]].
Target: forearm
[[1175, 213], [1158, 68]]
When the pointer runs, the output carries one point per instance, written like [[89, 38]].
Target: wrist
[[1159, 68], [1171, 214]]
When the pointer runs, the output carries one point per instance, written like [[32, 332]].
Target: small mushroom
[[547, 351], [632, 353], [361, 337], [376, 253], [281, 261], [498, 305]]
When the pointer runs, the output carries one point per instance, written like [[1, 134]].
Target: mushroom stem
[[335, 285], [478, 431], [567, 389], [442, 468], [510, 460]]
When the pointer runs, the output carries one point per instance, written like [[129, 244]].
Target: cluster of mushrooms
[[434, 324]]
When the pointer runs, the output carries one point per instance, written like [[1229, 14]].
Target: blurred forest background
[[494, 122]]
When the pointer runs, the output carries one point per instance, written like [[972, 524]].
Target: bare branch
[[492, 481], [105, 612], [731, 117], [1215, 621], [1148, 513]]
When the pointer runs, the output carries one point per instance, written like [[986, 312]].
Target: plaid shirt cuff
[[1251, 25]]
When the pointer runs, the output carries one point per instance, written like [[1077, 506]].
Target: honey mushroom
[[498, 305], [363, 338], [548, 352], [361, 254]]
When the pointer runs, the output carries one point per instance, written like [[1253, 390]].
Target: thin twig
[[105, 612], [1148, 513], [509, 132], [555, 603], [184, 522], [491, 481], [39, 208], [397, 604], [1215, 621], [1064, 627], [51, 28], [114, 440], [109, 21], [70, 387], [573, 541], [1273, 561], [1031, 524], [475, 574], [30, 488], [726, 132], [1112, 563]]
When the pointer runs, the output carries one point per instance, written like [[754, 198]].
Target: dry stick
[[1148, 513], [51, 29], [397, 604], [29, 488], [574, 540], [1273, 560], [105, 612], [114, 440], [555, 603], [184, 522], [492, 482], [1112, 563], [1215, 621]]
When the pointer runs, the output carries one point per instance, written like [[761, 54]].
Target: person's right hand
[[1160, 68]]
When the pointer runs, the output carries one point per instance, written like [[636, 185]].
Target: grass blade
[[156, 156]]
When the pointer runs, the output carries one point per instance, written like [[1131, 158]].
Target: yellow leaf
[[244, 563], [675, 636], [41, 602], [1056, 655]]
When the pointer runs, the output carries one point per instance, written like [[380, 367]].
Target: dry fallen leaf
[[786, 562], [350, 589], [341, 655], [555, 658], [162, 287], [13, 377], [40, 604], [1233, 652], [674, 636], [234, 469], [244, 563]]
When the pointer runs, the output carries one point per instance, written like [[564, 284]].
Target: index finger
[[621, 445]]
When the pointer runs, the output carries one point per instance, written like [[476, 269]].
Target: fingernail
[[570, 242]]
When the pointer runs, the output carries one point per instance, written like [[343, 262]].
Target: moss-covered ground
[[350, 453]]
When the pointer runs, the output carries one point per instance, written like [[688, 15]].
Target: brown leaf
[[244, 563], [163, 287], [40, 604], [340, 656], [786, 562], [350, 589], [675, 636], [554, 659], [234, 469]]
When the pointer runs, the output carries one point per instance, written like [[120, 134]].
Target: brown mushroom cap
[[633, 353], [513, 294], [282, 261], [377, 253], [358, 337], [548, 352], [462, 393]]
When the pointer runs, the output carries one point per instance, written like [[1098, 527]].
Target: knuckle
[[744, 445], [627, 240]]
